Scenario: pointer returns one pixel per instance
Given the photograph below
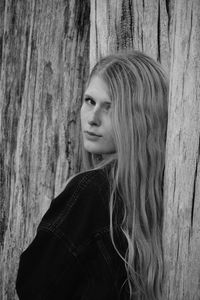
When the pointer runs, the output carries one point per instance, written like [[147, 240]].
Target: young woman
[[102, 236]]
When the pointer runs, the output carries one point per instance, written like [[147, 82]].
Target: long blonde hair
[[138, 89]]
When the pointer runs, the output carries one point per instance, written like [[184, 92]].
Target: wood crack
[[194, 188]]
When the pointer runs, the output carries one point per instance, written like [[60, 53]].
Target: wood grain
[[141, 25], [182, 179], [43, 69]]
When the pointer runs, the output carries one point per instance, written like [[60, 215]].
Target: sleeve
[[50, 267]]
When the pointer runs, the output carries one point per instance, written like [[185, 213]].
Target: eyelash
[[89, 101]]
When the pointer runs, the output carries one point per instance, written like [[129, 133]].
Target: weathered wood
[[182, 179], [142, 25], [43, 69]]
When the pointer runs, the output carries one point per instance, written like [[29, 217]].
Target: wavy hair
[[138, 89]]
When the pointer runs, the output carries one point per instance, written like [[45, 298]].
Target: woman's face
[[96, 122]]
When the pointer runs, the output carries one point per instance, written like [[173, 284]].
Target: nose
[[94, 118]]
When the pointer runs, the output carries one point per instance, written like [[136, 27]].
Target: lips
[[92, 134]]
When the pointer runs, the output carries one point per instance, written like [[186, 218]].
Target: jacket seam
[[74, 197], [76, 250]]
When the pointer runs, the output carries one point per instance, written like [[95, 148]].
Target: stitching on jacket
[[59, 234], [76, 250], [83, 183], [54, 227], [107, 257]]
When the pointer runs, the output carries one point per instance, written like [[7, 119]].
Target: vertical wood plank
[[182, 179], [43, 69]]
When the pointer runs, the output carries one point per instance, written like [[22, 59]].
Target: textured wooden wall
[[143, 25], [44, 63]]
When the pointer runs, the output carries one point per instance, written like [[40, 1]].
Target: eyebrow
[[105, 101]]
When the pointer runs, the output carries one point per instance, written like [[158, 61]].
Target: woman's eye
[[89, 101], [107, 106]]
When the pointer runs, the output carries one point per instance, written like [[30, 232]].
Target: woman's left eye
[[107, 106]]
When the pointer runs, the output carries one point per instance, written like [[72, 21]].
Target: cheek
[[110, 130]]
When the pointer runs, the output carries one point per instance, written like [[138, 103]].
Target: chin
[[95, 150]]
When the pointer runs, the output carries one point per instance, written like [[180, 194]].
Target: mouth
[[92, 134]]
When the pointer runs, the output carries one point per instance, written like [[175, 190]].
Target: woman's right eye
[[89, 101]]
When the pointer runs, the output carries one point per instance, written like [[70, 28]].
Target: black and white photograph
[[99, 149]]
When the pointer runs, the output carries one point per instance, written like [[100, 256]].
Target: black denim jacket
[[72, 256]]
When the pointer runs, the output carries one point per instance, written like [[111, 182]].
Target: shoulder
[[81, 209], [86, 185], [94, 179]]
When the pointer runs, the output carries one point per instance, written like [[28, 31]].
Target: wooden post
[[182, 178], [43, 66]]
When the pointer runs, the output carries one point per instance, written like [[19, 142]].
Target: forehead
[[97, 88]]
